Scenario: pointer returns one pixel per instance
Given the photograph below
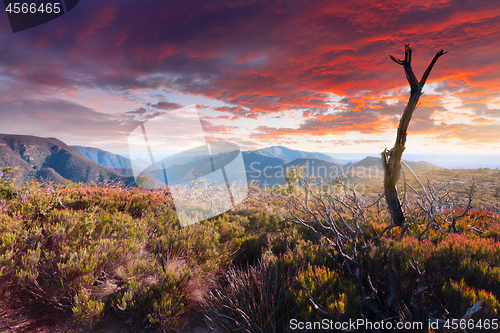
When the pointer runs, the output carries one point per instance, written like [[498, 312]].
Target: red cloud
[[267, 57]]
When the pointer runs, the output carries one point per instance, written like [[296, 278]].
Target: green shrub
[[334, 292], [94, 250], [7, 183], [459, 297], [87, 310], [167, 299]]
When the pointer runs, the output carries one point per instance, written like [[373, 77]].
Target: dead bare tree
[[440, 200], [333, 209], [391, 159]]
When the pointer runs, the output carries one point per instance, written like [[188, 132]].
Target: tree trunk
[[391, 159]]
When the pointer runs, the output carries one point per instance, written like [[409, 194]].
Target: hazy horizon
[[450, 161]]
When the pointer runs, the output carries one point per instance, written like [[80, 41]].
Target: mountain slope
[[376, 162], [104, 158], [36, 157], [276, 175], [256, 161], [291, 154]]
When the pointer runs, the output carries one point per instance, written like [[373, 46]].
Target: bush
[[331, 290], [258, 299], [97, 250], [7, 187], [459, 297], [89, 251]]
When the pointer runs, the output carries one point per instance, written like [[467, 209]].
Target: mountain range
[[266, 166], [50, 158], [43, 158], [369, 167], [291, 154]]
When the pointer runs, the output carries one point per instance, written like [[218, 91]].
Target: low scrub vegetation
[[296, 252]]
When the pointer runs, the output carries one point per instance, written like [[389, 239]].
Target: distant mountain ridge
[[291, 154], [108, 159], [42, 158], [267, 166], [376, 162], [105, 158], [272, 176], [255, 161], [271, 156]]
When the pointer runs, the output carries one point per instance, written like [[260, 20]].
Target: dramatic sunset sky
[[310, 75]]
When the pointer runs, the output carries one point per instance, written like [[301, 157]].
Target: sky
[[309, 75]]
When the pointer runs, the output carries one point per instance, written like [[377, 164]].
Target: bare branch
[[475, 308], [397, 61], [428, 70], [420, 288]]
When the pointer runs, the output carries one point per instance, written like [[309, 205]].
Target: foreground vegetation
[[306, 253]]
